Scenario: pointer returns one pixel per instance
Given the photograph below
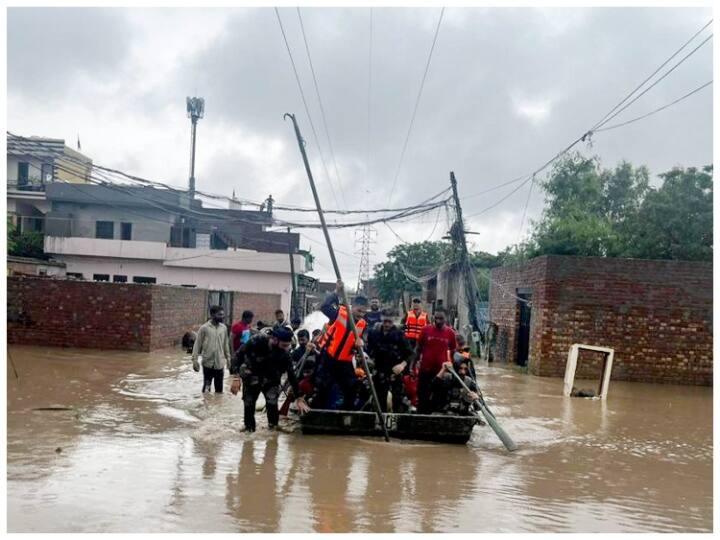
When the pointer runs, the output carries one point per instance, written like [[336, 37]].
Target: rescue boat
[[424, 427]]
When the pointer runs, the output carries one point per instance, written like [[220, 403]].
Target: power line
[[628, 96], [307, 109], [417, 103], [678, 100], [322, 108], [608, 116], [668, 72], [369, 101], [488, 190], [527, 202], [108, 175]]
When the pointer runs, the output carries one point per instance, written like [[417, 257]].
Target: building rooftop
[[38, 146]]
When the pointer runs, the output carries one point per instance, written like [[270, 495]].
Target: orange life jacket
[[323, 337], [413, 324], [340, 342]]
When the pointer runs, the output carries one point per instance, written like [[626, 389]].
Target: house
[[142, 234], [32, 164], [656, 314], [149, 235], [27, 266]]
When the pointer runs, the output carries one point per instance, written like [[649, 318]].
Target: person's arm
[[197, 348], [452, 343], [233, 335], [226, 346]]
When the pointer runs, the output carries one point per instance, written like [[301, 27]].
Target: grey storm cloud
[[506, 90]]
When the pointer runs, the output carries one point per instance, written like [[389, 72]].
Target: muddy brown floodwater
[[141, 450]]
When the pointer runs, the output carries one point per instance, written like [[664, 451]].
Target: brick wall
[[61, 313], [657, 315], [175, 310], [261, 304], [99, 315]]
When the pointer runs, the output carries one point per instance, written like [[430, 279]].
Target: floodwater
[[141, 450]]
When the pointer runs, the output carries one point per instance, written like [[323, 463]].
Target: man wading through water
[[433, 346], [213, 345], [260, 363]]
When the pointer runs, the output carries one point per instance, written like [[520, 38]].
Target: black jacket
[[257, 362], [387, 349]]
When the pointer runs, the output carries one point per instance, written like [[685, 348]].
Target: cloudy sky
[[506, 90]]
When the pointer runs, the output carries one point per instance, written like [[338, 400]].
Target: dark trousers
[[210, 375], [424, 392], [251, 393], [343, 373], [385, 383]]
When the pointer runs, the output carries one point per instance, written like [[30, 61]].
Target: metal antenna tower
[[364, 237], [195, 111]]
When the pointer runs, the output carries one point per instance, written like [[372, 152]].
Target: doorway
[[524, 306]]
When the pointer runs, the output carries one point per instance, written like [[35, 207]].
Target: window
[[101, 277], [42, 271], [119, 279], [143, 279], [126, 231], [23, 173], [75, 275], [104, 229], [46, 173]]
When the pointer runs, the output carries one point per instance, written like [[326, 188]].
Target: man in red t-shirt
[[434, 344], [240, 331]]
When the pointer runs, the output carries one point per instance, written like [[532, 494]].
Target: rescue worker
[[435, 347], [260, 363], [213, 345], [391, 354], [415, 320], [340, 347], [449, 396], [374, 316]]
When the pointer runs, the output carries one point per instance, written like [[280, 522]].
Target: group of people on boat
[[413, 361]]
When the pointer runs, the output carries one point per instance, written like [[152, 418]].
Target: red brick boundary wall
[[657, 315], [100, 315], [262, 305]]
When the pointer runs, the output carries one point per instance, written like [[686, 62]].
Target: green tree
[[11, 245], [675, 220], [405, 262], [594, 212], [25, 244]]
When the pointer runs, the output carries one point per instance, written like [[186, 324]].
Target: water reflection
[[142, 450]]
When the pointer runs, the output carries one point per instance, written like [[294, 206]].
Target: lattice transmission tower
[[364, 237]]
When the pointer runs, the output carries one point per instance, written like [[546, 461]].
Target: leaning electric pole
[[457, 233], [195, 111]]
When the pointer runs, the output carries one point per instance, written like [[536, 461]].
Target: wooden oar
[[500, 432]]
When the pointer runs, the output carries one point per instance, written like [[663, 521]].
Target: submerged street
[[129, 444]]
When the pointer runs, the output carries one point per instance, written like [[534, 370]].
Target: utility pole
[[458, 237], [293, 294], [195, 111]]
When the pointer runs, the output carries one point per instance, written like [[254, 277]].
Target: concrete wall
[[657, 315], [204, 278], [147, 225], [66, 313]]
